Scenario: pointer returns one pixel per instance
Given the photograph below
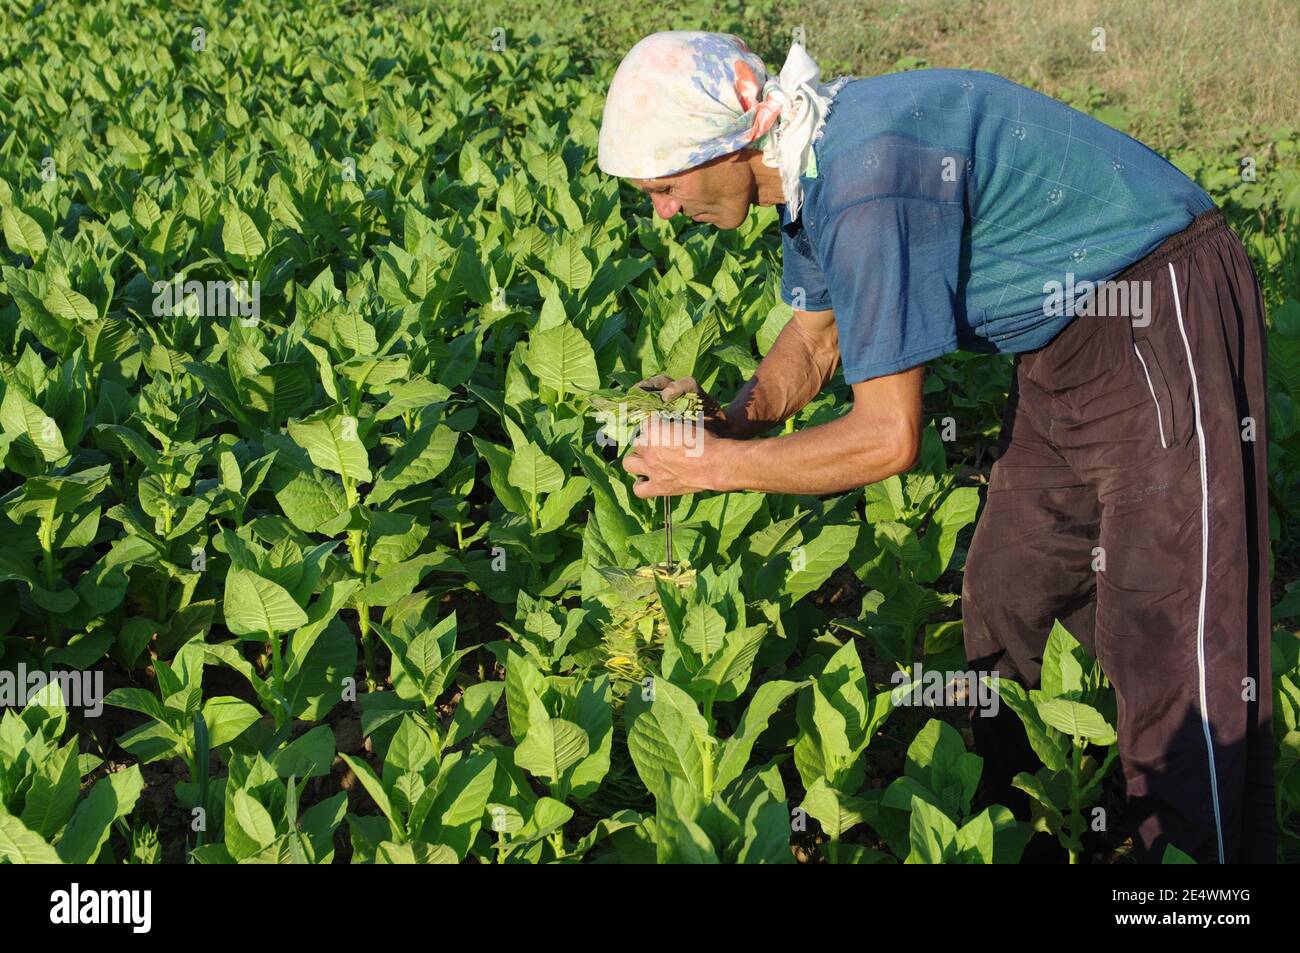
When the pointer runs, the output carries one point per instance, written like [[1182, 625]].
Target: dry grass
[[1190, 73]]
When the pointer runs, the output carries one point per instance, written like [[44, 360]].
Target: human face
[[718, 192]]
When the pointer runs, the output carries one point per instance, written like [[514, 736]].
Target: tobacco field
[[360, 577]]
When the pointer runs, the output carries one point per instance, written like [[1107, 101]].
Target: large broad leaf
[[20, 845], [1076, 720], [561, 358], [48, 497], [227, 718], [22, 233], [240, 235], [309, 756], [736, 749], [258, 607], [835, 811], [278, 391], [812, 563], [455, 816], [953, 515], [332, 442], [112, 797], [69, 305], [53, 792], [533, 472], [253, 819], [311, 500], [551, 748], [312, 687], [569, 265], [668, 738], [20, 417], [1062, 672], [425, 454], [932, 835]]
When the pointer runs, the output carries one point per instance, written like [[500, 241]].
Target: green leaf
[[426, 453], [257, 607], [569, 265], [562, 359], [20, 417], [736, 749], [551, 748], [1076, 720], [668, 738], [227, 718], [112, 797], [835, 811], [240, 236], [253, 819], [22, 233], [374, 787], [69, 305], [331, 440], [812, 563], [20, 845], [534, 473], [1062, 674], [933, 837]]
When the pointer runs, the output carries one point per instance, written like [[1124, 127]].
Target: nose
[[665, 206]]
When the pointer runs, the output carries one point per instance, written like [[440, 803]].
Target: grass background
[[1186, 73]]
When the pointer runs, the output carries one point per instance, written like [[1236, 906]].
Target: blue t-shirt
[[944, 202]]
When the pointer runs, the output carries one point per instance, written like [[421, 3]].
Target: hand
[[676, 457], [715, 418]]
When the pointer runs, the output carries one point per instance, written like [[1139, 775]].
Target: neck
[[767, 181]]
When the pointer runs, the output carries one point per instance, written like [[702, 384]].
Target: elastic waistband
[[1172, 247]]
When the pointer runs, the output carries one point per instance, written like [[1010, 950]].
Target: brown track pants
[[1129, 436]]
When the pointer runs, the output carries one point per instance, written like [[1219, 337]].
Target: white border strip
[[1205, 564], [1160, 420]]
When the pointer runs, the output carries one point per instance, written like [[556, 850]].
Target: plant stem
[[47, 551], [357, 546], [277, 663], [668, 532], [1076, 817]]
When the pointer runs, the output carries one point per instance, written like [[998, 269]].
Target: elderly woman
[[937, 210]]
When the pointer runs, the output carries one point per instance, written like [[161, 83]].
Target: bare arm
[[796, 368], [878, 437]]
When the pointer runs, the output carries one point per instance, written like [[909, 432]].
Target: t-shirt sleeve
[[890, 266], [803, 286]]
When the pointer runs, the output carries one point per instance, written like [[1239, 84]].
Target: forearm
[[833, 457], [793, 372]]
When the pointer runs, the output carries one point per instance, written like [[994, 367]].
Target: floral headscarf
[[682, 97]]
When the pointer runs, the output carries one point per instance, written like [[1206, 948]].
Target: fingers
[[655, 432], [683, 385], [646, 488], [670, 389]]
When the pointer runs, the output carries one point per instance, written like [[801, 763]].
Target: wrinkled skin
[[719, 192]]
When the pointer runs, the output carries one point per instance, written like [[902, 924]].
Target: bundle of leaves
[[632, 639], [622, 410]]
